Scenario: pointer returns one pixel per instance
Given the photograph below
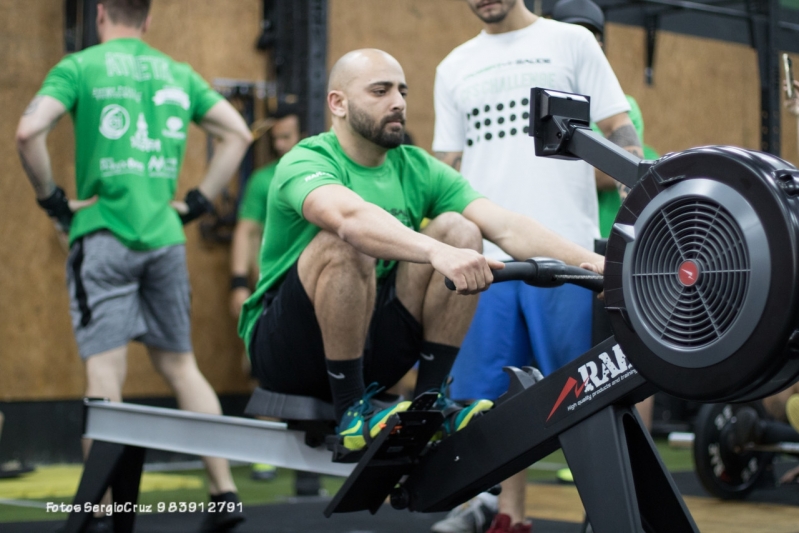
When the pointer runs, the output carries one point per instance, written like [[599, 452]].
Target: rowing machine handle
[[544, 272]]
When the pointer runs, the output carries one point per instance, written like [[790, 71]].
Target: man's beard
[[499, 17], [376, 131]]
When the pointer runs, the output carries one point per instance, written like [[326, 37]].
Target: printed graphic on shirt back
[[114, 121], [138, 68], [141, 139]]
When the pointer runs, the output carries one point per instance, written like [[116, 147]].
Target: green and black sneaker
[[457, 416], [362, 422]]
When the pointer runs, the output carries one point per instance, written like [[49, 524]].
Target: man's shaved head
[[356, 64], [366, 92]]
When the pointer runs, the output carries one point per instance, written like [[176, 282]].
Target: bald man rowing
[[352, 291]]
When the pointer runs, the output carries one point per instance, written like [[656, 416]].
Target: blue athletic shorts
[[518, 325]]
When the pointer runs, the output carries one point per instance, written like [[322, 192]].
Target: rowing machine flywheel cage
[[701, 274]]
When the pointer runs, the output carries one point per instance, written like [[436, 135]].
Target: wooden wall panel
[[704, 91], [38, 356]]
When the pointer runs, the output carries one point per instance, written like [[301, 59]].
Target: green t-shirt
[[410, 184], [131, 106], [253, 203], [610, 201]]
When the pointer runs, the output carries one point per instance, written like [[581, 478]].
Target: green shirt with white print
[[410, 185], [131, 106]]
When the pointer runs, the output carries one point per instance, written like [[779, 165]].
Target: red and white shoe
[[501, 524]]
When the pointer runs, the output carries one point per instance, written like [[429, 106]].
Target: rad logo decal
[[593, 379], [141, 139], [114, 121], [172, 95], [174, 128]]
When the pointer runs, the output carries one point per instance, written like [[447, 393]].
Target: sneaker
[[263, 472], [792, 411], [456, 416], [473, 516], [501, 524], [227, 514], [361, 423]]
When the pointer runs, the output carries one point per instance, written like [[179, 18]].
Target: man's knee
[[328, 250], [173, 365], [455, 230]]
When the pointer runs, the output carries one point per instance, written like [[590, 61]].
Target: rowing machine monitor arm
[[560, 126]]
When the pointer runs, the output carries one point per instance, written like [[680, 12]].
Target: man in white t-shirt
[[482, 108]]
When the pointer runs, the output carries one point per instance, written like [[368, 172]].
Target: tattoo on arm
[[456, 163], [626, 137], [32, 106]]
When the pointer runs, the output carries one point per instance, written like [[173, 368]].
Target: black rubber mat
[[305, 515], [299, 517]]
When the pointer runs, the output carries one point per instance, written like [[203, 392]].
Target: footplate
[[389, 457]]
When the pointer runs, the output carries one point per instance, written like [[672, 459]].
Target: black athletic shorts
[[287, 353]]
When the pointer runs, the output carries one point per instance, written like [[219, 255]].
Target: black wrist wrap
[[57, 206], [198, 205]]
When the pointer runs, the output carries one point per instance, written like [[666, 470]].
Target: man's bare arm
[[246, 236], [522, 237], [226, 124], [604, 182], [38, 119], [452, 159], [619, 130], [374, 232]]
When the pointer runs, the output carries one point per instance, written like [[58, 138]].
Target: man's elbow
[[24, 136], [245, 136]]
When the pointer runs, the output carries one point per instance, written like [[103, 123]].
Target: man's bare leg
[[511, 499], [645, 408], [340, 282], [444, 315], [105, 376], [194, 393]]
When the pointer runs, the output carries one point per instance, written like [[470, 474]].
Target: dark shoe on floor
[[224, 513], [14, 469]]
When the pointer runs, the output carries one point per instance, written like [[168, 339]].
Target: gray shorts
[[117, 295]]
